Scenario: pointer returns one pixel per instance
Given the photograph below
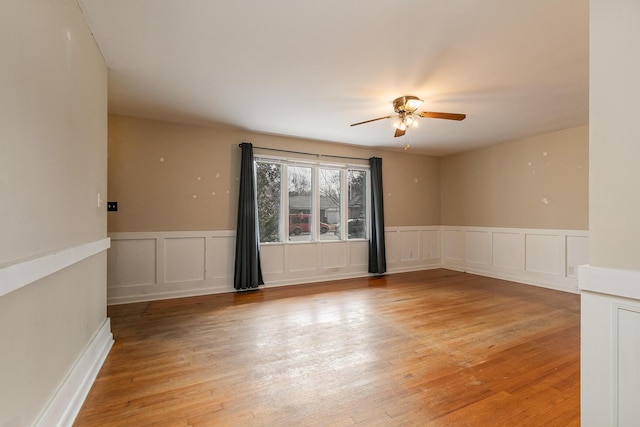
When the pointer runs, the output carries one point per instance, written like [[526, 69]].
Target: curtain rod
[[308, 154]]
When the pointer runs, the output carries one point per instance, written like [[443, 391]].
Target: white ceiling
[[309, 69]]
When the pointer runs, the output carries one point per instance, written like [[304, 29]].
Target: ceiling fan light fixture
[[411, 121], [405, 121], [400, 125], [407, 104], [413, 104]]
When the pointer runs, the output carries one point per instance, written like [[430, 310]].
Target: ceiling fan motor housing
[[406, 104]]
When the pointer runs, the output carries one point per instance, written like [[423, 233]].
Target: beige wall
[[156, 168], [614, 170], [52, 165], [538, 182]]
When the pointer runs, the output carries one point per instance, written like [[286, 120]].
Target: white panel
[[628, 375], [303, 257], [409, 245], [392, 246], [577, 254], [610, 346], [131, 262], [611, 281], [334, 255], [430, 244], [508, 250], [184, 259], [478, 247], [23, 272], [454, 244], [221, 255], [597, 363], [272, 258], [542, 254], [359, 254]]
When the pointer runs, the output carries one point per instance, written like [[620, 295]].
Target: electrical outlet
[[571, 270], [112, 206]]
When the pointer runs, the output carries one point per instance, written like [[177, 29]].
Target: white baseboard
[[269, 283], [558, 284], [65, 404]]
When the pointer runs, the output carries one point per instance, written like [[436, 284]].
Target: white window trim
[[315, 197]]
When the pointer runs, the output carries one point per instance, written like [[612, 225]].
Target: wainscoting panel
[[144, 266], [334, 255], [392, 246], [547, 258], [221, 252], [184, 259], [508, 250], [543, 253], [577, 254], [147, 266], [131, 262], [431, 244], [410, 245], [271, 258], [303, 257], [411, 248], [610, 346], [478, 247], [359, 254], [627, 369], [453, 244]]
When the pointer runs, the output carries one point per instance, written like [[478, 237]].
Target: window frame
[[314, 226]]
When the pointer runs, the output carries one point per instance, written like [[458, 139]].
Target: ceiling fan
[[406, 107]]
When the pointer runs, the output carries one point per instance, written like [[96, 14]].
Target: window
[[269, 184], [357, 214], [310, 202], [300, 198], [330, 186]]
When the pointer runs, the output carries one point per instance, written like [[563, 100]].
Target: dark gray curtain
[[247, 273], [377, 256]]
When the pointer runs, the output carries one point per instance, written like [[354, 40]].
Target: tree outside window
[[269, 184], [330, 187], [357, 210], [300, 203]]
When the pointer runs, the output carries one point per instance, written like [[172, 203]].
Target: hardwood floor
[[430, 348]]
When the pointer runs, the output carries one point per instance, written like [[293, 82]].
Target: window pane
[[330, 215], [357, 222], [269, 180], [300, 215]]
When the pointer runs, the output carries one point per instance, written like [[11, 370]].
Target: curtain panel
[[247, 271], [377, 255]]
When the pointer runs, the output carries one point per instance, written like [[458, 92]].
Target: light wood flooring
[[429, 348]]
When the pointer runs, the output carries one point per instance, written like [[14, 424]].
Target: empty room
[[319, 213]]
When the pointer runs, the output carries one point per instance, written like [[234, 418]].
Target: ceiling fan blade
[[399, 133], [448, 116], [372, 120]]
